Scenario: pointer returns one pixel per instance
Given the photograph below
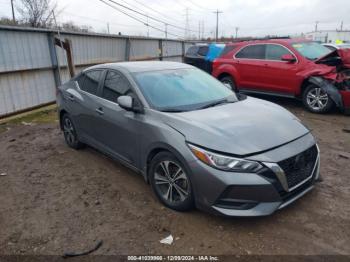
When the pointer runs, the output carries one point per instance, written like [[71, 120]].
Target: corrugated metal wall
[[28, 61]]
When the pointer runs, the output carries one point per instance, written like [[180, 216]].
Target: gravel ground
[[54, 199]]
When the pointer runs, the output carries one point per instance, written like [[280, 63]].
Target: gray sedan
[[195, 141]]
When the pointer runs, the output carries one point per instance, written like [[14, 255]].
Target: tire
[[316, 100], [229, 82], [70, 133], [174, 188]]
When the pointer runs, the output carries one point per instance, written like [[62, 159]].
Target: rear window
[[203, 50], [80, 79], [89, 81], [252, 52], [192, 50]]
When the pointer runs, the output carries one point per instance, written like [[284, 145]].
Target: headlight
[[225, 163]]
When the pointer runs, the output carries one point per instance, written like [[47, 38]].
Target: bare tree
[[70, 26], [37, 13], [7, 21]]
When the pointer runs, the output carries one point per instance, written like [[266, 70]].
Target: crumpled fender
[[318, 70], [330, 89], [345, 56]]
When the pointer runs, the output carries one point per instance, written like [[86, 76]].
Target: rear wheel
[[317, 100], [229, 82], [70, 134], [170, 182]]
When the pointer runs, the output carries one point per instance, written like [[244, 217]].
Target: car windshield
[[311, 50], [182, 90]]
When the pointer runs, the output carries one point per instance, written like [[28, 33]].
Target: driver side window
[[115, 85]]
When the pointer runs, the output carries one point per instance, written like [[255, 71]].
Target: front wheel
[[170, 182], [316, 100], [229, 83]]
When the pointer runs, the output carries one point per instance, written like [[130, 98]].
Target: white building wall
[[329, 36]]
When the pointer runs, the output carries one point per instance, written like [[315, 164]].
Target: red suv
[[288, 67]]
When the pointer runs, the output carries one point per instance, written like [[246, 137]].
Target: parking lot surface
[[54, 199]]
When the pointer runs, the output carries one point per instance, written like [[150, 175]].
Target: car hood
[[344, 55], [242, 128]]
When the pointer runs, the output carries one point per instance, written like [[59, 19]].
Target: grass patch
[[2, 128], [39, 116], [45, 116]]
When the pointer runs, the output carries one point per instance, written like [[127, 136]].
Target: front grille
[[299, 167]]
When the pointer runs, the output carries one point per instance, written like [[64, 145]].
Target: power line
[[99, 20], [195, 4], [150, 17], [137, 19], [152, 9], [186, 6], [162, 13]]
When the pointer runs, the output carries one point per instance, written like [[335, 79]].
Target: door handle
[[99, 111], [71, 97]]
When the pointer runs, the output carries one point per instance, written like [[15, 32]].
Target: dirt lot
[[54, 199]]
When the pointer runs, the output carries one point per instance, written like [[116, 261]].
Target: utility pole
[[341, 25], [237, 28], [13, 13], [187, 24], [203, 29], [108, 28], [316, 25], [147, 27], [217, 12], [166, 31], [199, 30]]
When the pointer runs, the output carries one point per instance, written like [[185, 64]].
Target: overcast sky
[[253, 17]]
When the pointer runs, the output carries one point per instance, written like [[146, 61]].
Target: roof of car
[[275, 41], [142, 66]]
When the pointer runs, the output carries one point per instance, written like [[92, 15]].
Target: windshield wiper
[[216, 103], [172, 110]]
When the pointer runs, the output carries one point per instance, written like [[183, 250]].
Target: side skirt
[[255, 91]]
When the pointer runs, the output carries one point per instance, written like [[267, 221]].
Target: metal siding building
[[329, 36]]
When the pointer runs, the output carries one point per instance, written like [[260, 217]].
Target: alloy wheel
[[69, 132], [171, 182], [228, 84], [317, 99]]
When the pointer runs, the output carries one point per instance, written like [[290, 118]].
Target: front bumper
[[242, 194], [346, 101]]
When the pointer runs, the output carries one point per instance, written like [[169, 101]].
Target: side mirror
[[288, 58], [130, 104]]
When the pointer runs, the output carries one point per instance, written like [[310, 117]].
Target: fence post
[[70, 60], [127, 49], [160, 45], [54, 59]]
